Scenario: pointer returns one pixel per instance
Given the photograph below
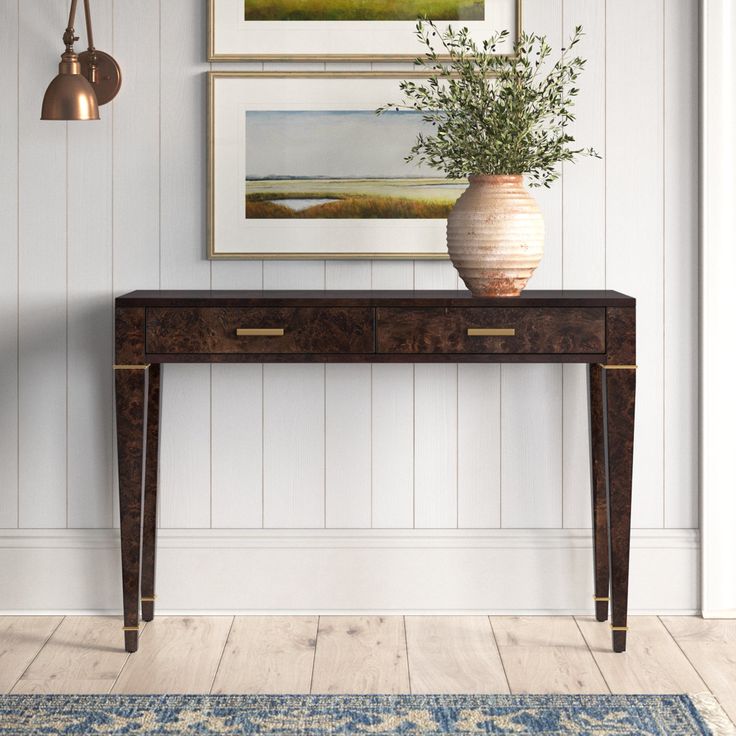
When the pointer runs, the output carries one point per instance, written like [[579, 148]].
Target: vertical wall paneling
[[348, 275], [9, 269], [531, 461], [294, 420], [136, 152], [237, 274], [392, 443], [285, 66], [348, 446], [393, 446], [680, 263], [584, 181], [634, 221], [435, 446], [185, 446], [392, 275], [237, 446], [348, 421], [294, 446], [183, 166], [42, 189], [479, 446], [90, 411], [293, 274], [348, 66], [392, 461], [545, 17], [392, 66], [435, 421], [531, 395], [435, 275], [90, 211], [584, 243], [237, 421], [183, 265], [576, 509]]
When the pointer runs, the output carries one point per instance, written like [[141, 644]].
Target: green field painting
[[339, 165], [443, 10]]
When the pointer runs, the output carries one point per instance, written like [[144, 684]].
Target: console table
[[593, 327]]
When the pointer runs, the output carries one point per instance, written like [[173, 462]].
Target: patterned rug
[[378, 715]]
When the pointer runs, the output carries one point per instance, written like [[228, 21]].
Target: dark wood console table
[[593, 327]]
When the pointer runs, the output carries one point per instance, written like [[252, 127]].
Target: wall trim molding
[[500, 571], [345, 539], [350, 612]]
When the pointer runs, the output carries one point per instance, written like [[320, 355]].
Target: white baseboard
[[719, 613], [502, 571]]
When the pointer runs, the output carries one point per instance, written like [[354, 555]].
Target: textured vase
[[495, 235]]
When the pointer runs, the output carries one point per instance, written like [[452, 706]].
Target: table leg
[[153, 423], [619, 393], [599, 503], [130, 401]]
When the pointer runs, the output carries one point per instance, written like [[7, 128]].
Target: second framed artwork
[[344, 30], [300, 166]]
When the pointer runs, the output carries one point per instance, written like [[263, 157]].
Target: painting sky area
[[340, 164], [369, 10], [332, 144]]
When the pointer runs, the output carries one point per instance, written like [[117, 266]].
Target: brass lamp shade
[[70, 96]]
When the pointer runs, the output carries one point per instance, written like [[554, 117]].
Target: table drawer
[[492, 330], [267, 330]]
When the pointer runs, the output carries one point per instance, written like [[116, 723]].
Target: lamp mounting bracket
[[102, 72]]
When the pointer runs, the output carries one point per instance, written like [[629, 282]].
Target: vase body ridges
[[495, 235]]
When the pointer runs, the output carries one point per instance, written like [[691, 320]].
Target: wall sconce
[[84, 82]]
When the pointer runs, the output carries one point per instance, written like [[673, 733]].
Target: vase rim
[[496, 178]]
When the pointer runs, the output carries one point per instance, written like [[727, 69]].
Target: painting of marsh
[[338, 165], [364, 9]]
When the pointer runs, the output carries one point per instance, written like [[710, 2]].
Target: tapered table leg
[[153, 423], [619, 397], [599, 504], [130, 401]]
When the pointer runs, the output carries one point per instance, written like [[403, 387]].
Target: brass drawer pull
[[491, 331], [260, 332]]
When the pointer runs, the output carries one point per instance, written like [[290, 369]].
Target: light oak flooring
[[368, 654]]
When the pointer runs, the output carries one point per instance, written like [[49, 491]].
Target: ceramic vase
[[495, 235]]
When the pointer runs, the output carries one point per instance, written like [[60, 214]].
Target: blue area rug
[[378, 715]]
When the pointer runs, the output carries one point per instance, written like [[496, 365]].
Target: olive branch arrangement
[[494, 114]]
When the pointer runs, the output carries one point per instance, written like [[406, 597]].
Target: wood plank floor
[[369, 654]]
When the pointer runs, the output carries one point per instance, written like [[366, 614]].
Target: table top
[[234, 298]]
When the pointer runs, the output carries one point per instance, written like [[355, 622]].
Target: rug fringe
[[713, 714]]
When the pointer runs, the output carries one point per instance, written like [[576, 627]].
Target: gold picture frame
[[215, 253], [214, 55]]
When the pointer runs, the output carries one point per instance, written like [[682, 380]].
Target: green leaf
[[515, 123]]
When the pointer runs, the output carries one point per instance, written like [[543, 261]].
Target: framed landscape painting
[[368, 30], [300, 166]]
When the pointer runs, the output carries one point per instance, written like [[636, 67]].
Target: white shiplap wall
[[90, 211]]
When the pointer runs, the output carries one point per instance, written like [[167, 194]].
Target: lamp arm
[[69, 37], [93, 72], [99, 68], [88, 19]]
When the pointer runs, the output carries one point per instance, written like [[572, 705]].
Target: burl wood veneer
[[593, 327], [536, 330]]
